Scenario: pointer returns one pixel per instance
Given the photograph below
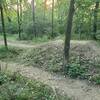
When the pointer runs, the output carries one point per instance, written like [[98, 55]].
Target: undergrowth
[[50, 57], [95, 79], [75, 71], [16, 87], [10, 54]]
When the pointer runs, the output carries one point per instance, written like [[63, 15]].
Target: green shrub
[[9, 54], [27, 36], [3, 78], [75, 70], [22, 88], [16, 87], [95, 79]]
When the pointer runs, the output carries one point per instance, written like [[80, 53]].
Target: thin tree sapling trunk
[[68, 33], [3, 27], [95, 19]]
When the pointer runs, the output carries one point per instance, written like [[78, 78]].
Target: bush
[[3, 78], [27, 36], [21, 88], [95, 79], [9, 54], [75, 71]]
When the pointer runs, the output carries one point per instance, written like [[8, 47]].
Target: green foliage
[[27, 36], [11, 28], [16, 87], [75, 70], [82, 24], [23, 89], [38, 39], [42, 39], [95, 79], [3, 78], [9, 54], [9, 36]]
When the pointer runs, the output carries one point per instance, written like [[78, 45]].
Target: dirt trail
[[23, 44], [78, 90], [17, 44]]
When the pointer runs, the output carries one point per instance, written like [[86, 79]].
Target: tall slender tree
[[3, 23], [95, 18], [19, 16], [68, 32], [52, 35], [21, 13], [33, 13], [44, 6], [44, 13]]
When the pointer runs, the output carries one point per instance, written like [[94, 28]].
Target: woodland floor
[[74, 88]]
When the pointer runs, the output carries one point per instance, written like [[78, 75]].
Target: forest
[[49, 49]]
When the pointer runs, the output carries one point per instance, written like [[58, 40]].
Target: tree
[[44, 5], [33, 13], [95, 19], [3, 23], [19, 16], [44, 14], [68, 32], [52, 19]]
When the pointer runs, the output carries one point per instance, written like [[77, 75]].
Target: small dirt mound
[[48, 56]]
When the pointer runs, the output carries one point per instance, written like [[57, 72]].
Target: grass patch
[[40, 39], [95, 79], [16, 87], [83, 36], [10, 54], [10, 36], [19, 88]]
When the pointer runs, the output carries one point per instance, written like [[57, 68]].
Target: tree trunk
[[3, 26], [44, 6], [18, 16], [95, 19], [33, 12], [21, 14], [44, 14], [52, 35], [68, 32]]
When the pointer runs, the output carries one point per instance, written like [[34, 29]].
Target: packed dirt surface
[[16, 44], [56, 42], [76, 89]]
